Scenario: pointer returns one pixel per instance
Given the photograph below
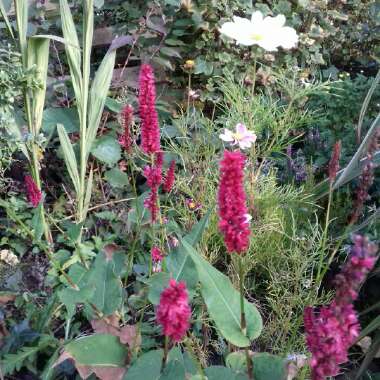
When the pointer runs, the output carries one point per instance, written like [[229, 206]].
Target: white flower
[[269, 32], [242, 136]]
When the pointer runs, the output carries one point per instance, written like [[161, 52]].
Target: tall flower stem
[[243, 322], [254, 73], [166, 351]]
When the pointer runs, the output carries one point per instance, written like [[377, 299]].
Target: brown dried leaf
[[108, 325], [130, 335], [6, 297]]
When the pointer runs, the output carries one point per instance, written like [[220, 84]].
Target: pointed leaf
[[69, 156], [6, 19], [147, 366], [72, 50], [38, 55], [98, 95], [223, 302], [90, 351]]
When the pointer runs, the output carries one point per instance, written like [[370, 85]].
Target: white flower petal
[[257, 17], [227, 136]]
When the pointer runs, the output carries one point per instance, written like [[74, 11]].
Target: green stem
[[243, 322], [166, 351], [324, 238]]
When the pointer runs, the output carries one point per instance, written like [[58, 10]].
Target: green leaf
[[72, 50], [107, 150], [69, 157], [37, 224], [38, 56], [180, 264], [113, 105], [170, 52], [157, 283], [108, 288], [21, 9], [6, 19], [269, 367], [98, 95], [68, 117], [101, 350], [146, 367], [223, 303], [116, 178], [219, 373]]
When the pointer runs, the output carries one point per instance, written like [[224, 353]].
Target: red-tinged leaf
[[108, 325], [130, 335]]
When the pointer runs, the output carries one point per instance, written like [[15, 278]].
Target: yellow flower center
[[237, 136], [257, 37]]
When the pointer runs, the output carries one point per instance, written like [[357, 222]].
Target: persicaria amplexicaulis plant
[[331, 330], [33, 193]]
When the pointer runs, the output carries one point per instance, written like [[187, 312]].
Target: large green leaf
[[116, 178], [101, 350], [223, 303], [21, 9], [146, 367], [107, 284], [269, 367], [68, 117], [179, 262], [219, 373], [107, 150]]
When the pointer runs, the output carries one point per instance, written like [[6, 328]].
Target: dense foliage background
[[299, 103]]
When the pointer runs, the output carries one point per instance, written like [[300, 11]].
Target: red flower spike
[[233, 221], [334, 161], [169, 180], [150, 131], [125, 140], [173, 312], [33, 193]]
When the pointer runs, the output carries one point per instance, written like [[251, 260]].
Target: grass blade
[[355, 161], [365, 105], [6, 19], [87, 197], [69, 156]]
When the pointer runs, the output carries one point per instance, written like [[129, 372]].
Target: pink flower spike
[[125, 139], [243, 137], [33, 193], [173, 312], [169, 180], [233, 220], [150, 130]]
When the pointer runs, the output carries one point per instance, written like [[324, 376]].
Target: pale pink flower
[[243, 137]]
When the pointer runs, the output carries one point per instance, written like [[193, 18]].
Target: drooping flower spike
[[266, 32], [173, 312], [233, 219]]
